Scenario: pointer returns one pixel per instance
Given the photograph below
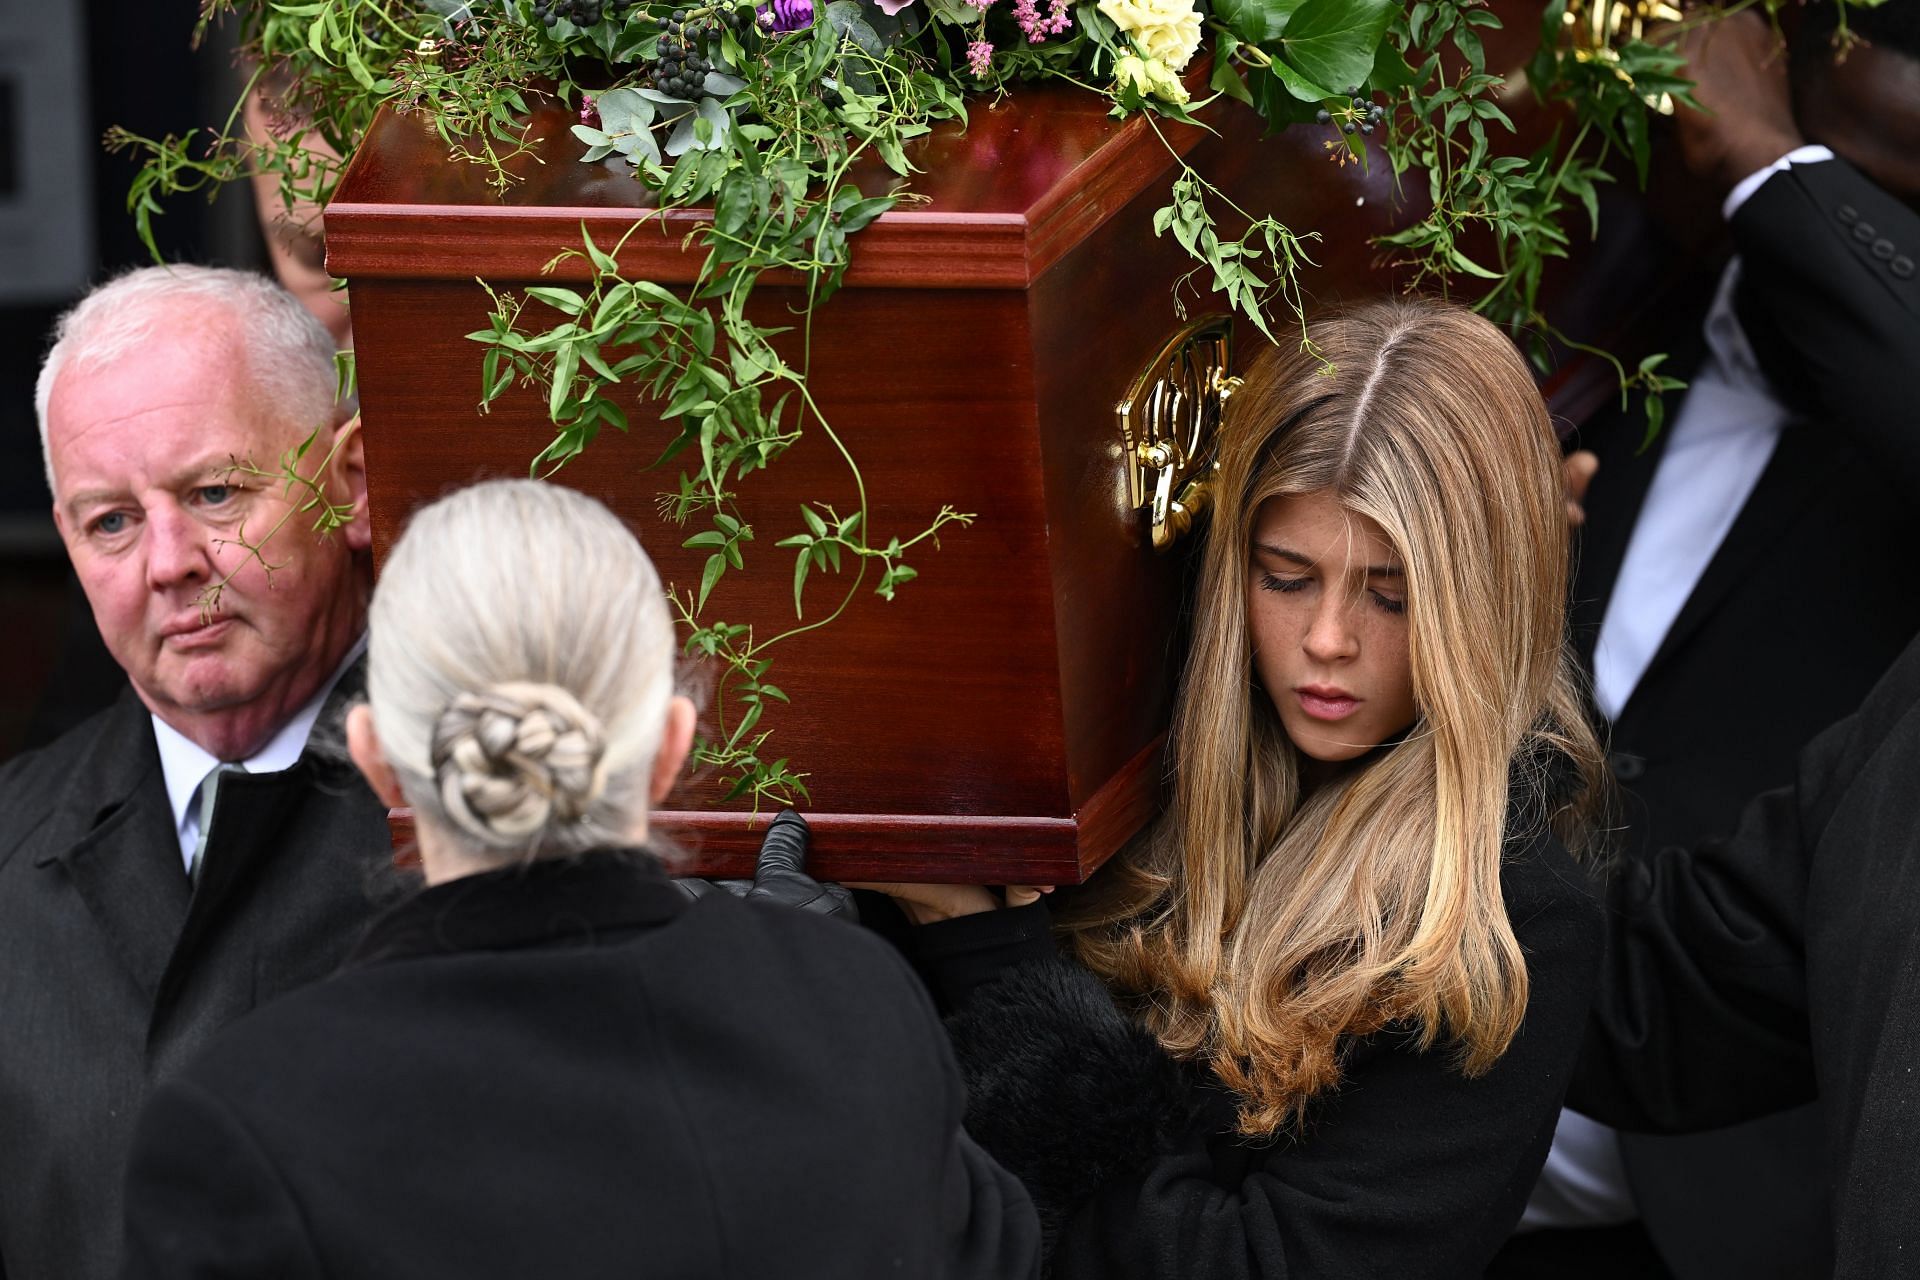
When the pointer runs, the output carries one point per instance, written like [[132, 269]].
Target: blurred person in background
[[1745, 580]]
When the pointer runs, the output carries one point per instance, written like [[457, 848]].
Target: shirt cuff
[[1810, 154], [966, 952]]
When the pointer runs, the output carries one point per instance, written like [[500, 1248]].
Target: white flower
[[1151, 77], [1165, 31]]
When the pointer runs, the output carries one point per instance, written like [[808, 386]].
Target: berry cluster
[[581, 13], [1360, 117], [680, 66]]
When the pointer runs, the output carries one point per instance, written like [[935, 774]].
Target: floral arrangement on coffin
[[758, 111]]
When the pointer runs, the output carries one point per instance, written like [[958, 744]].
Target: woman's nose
[[1330, 633]]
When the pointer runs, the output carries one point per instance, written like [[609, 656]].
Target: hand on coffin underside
[[780, 875]]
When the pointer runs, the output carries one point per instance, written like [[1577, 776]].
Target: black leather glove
[[780, 875]]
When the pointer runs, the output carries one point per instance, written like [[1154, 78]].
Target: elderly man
[[186, 854]]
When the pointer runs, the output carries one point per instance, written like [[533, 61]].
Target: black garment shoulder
[[1074, 1098]]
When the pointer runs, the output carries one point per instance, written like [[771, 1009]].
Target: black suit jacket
[[1752, 974], [1811, 596], [117, 969], [568, 1070]]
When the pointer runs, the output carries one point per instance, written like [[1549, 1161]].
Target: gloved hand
[[780, 875]]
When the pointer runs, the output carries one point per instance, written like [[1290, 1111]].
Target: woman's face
[[1326, 609]]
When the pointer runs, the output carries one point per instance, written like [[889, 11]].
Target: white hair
[[519, 670], [288, 354]]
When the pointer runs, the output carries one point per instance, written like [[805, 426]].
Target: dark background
[[135, 67]]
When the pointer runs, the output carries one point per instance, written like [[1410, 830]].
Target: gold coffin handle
[[1169, 421]]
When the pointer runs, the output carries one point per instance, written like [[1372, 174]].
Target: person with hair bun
[[552, 1061], [1319, 1020]]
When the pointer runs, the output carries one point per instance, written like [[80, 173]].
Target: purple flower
[[589, 113], [782, 16], [980, 58]]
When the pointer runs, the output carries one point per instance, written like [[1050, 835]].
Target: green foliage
[[765, 135], [781, 202]]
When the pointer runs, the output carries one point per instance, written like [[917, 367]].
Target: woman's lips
[[1326, 704]]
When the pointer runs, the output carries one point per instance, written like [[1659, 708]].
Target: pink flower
[[1037, 28], [980, 58], [891, 7], [589, 113]]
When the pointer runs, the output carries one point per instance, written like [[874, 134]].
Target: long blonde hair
[[1262, 932]]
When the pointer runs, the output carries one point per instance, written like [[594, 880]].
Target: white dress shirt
[[1719, 443], [185, 764]]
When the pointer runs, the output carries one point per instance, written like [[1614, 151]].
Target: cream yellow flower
[[1165, 31], [1151, 77]]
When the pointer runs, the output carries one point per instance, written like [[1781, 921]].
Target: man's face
[[1867, 109], [153, 515]]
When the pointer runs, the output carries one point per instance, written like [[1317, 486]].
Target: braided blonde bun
[[515, 758], [520, 670]]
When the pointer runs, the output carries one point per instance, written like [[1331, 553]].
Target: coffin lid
[[1028, 178]]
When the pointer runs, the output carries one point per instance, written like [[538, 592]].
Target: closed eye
[[1274, 582]]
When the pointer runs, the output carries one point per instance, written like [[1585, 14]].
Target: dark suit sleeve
[[204, 1202], [1702, 1016], [1832, 258], [1410, 1170]]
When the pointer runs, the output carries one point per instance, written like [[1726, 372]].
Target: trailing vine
[[760, 113]]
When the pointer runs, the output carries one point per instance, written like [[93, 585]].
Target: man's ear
[[363, 744], [675, 742], [349, 478]]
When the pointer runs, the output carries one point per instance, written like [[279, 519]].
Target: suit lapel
[[1801, 465], [255, 816], [114, 840]]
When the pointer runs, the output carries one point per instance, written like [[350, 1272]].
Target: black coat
[[1811, 596], [1752, 974], [116, 970], [1409, 1170], [568, 1070]]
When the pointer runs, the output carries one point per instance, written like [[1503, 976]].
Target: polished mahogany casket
[[1003, 719]]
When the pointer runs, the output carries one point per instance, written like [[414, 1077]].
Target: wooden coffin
[[1002, 720]]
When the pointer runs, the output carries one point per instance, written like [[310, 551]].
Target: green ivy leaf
[[1334, 42], [1391, 70], [1255, 21], [1303, 89]]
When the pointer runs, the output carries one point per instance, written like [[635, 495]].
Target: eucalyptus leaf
[[624, 110]]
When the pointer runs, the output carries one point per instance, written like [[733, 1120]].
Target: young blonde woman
[[1319, 1021]]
